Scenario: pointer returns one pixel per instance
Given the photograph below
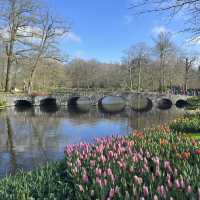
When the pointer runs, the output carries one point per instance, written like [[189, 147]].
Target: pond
[[30, 138]]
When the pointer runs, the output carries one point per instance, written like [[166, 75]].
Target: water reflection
[[10, 146], [32, 137]]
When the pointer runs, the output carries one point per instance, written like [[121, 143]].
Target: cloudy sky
[[102, 29]]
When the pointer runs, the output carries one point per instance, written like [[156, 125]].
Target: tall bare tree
[[16, 16], [45, 42], [137, 56], [188, 65], [163, 47]]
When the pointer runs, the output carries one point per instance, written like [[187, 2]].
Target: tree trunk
[[8, 70], [139, 76], [131, 78], [30, 83], [186, 75], [10, 47]]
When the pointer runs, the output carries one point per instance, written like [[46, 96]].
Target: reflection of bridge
[[70, 97]]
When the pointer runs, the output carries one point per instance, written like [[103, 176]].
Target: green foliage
[[188, 124], [2, 103], [51, 182], [194, 103]]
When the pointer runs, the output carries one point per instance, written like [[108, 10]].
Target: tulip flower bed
[[187, 124], [154, 165], [157, 164]]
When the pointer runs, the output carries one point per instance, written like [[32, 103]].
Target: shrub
[[194, 103], [2, 103], [187, 124]]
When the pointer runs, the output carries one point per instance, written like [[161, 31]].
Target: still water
[[30, 138]]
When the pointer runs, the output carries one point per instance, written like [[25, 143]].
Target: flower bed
[[187, 124], [154, 165]]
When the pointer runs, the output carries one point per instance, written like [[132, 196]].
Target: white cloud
[[32, 34], [193, 41], [72, 37], [159, 29]]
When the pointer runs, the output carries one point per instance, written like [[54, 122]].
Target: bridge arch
[[22, 103], [79, 104], [111, 104], [164, 104], [141, 104], [49, 101], [73, 101], [181, 103]]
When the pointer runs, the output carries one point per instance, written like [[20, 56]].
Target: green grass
[[195, 136], [194, 103], [2, 104], [51, 182]]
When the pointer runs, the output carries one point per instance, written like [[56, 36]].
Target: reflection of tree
[[152, 118], [10, 146]]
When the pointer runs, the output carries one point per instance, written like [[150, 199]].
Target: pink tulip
[[161, 191], [145, 191], [99, 182], [85, 178], [189, 189], [110, 154], [158, 172], [98, 172], [177, 184], [112, 193], [79, 164], [137, 180], [81, 188], [182, 183]]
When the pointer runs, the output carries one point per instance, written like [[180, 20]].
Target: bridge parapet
[[63, 98]]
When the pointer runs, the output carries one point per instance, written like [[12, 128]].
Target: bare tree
[[163, 47], [189, 8], [15, 17], [45, 40], [188, 65], [137, 56]]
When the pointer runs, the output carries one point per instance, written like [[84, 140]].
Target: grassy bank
[[194, 103], [2, 104], [50, 182], [157, 164], [188, 124]]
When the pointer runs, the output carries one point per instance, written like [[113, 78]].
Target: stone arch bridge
[[65, 98]]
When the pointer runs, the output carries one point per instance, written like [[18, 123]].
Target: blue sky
[[102, 29]]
